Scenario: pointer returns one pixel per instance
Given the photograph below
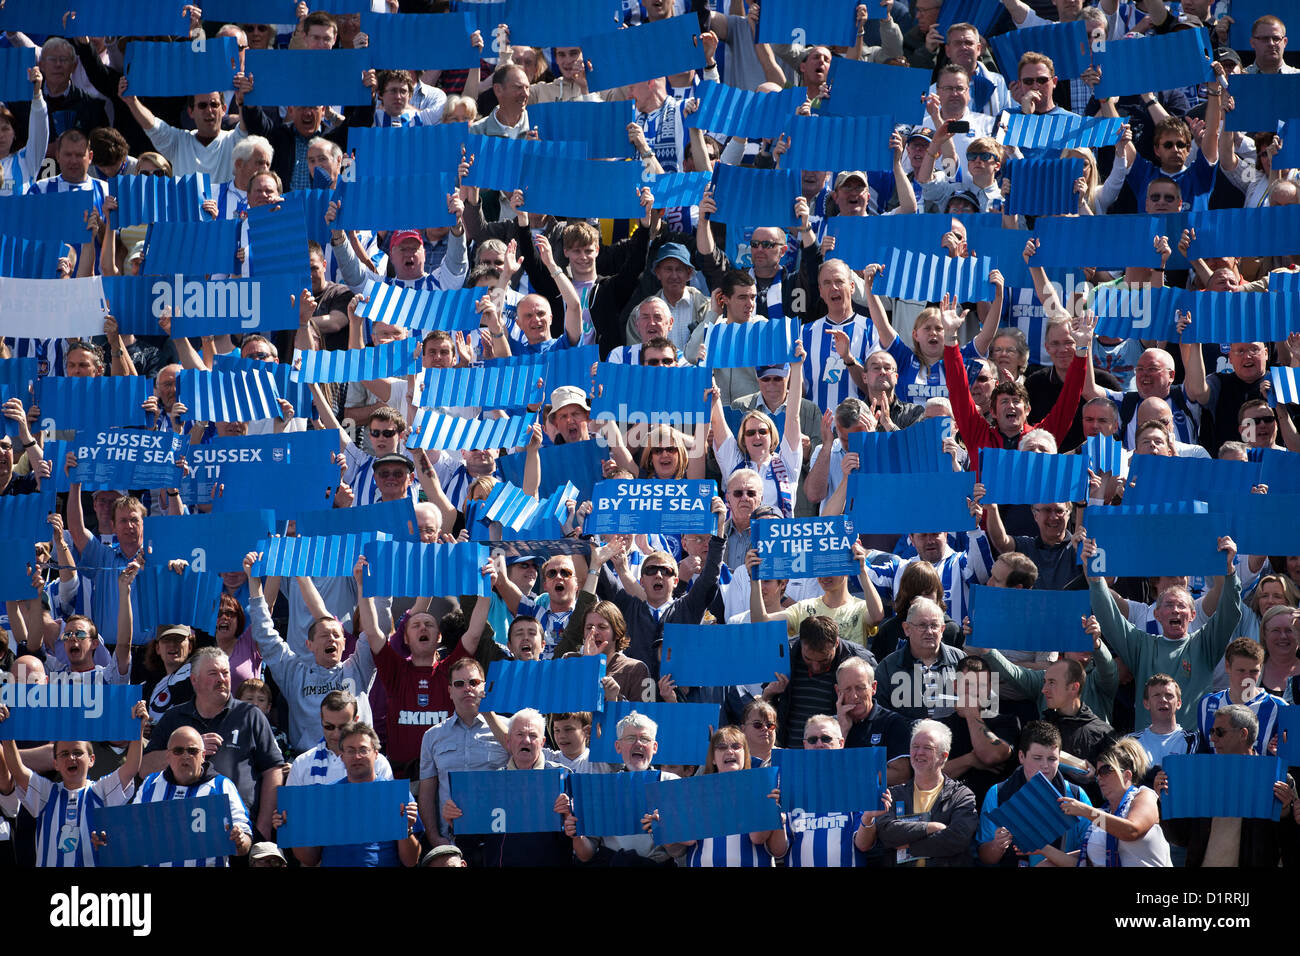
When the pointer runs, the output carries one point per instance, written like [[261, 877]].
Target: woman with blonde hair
[[1086, 186], [665, 455], [1280, 634], [153, 164], [729, 752]]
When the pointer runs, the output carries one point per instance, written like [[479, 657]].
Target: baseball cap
[[1190, 21], [848, 174], [394, 459], [438, 852], [1229, 54], [178, 631], [924, 132], [568, 395], [673, 250], [264, 849], [764, 370], [522, 559], [963, 192], [402, 235]]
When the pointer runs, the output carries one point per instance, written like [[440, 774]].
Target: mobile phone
[[957, 126]]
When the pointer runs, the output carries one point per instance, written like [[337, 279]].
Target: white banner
[[52, 308]]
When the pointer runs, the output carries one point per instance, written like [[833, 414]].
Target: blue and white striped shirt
[[158, 787], [826, 380], [62, 823], [734, 850], [1264, 705], [957, 571], [823, 839]]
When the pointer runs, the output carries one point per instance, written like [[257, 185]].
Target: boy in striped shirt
[[63, 837], [1245, 659]]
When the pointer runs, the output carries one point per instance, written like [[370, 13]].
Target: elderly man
[[510, 117], [920, 675], [1225, 392], [943, 837], [1234, 841], [360, 747], [1161, 412], [237, 737], [671, 270], [823, 839], [188, 775], [525, 743], [1193, 656], [323, 763], [1153, 378], [636, 741], [864, 721], [289, 139], [653, 318]]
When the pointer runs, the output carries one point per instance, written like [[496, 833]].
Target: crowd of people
[[306, 679]]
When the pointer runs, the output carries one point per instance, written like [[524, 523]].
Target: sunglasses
[[471, 682], [664, 450], [1105, 769], [152, 172], [1175, 144], [186, 751], [1036, 80], [553, 573], [384, 432], [744, 493], [392, 474], [819, 739], [262, 356], [76, 635], [1262, 419], [657, 571], [1217, 732], [751, 432], [981, 158], [765, 244], [772, 378], [763, 724], [1164, 197]]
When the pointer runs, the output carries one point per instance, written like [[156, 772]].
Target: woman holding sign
[[729, 751], [777, 459]]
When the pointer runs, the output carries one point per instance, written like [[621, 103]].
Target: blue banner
[[175, 69], [610, 804], [164, 831], [392, 517], [166, 597], [1029, 620], [509, 506], [1261, 524], [1243, 232], [1164, 62], [568, 685], [651, 394], [67, 709], [1153, 479], [276, 237], [874, 89], [662, 48], [1260, 100], [1221, 785], [831, 781], [576, 462], [146, 199], [1280, 470], [1033, 815], [209, 542], [917, 448], [307, 77], [16, 571], [651, 506], [755, 197], [582, 188], [128, 458], [452, 433], [805, 548], [721, 655], [358, 365], [1043, 187], [498, 163], [1102, 241], [451, 310], [93, 404], [120, 18], [413, 201], [488, 386], [58, 217], [293, 467], [839, 142], [925, 277], [936, 502], [863, 240], [14, 64], [395, 151], [1103, 455], [1028, 478], [406, 569], [1286, 386], [602, 126], [831, 22], [1146, 545], [420, 41], [343, 813], [560, 23], [734, 112], [231, 306], [332, 556], [507, 801], [1059, 130], [683, 736], [714, 805], [33, 17], [678, 189], [244, 396], [196, 248], [1066, 43], [29, 258], [982, 14], [751, 344]]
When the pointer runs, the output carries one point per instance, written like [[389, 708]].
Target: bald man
[[188, 775], [1153, 377], [1158, 410]]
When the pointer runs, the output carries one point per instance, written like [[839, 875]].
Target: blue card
[[713, 805], [805, 547], [567, 685], [610, 804], [1033, 815], [507, 801], [66, 709], [831, 781], [683, 737], [1221, 785], [343, 813], [720, 655], [667, 507], [1029, 620], [165, 831]]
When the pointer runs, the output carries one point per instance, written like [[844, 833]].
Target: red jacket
[[975, 430]]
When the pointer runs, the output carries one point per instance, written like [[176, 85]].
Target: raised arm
[[125, 620], [992, 315], [793, 399]]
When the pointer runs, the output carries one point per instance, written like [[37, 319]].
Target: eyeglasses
[[74, 754], [664, 450], [657, 570], [262, 356], [384, 432], [76, 635], [819, 739], [981, 158], [983, 378], [1149, 369], [1270, 39], [1005, 350], [186, 751], [471, 682], [731, 746], [645, 739], [357, 751], [1217, 732], [51, 58], [953, 89], [763, 724], [1175, 144], [751, 432], [1105, 769], [772, 379], [1164, 197], [743, 493], [1036, 80], [765, 244], [553, 573], [151, 172]]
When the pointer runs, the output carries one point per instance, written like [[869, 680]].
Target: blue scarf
[[1112, 841]]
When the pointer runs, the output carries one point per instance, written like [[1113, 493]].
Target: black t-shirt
[[882, 728], [1058, 564], [1232, 394], [334, 297], [1045, 386]]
